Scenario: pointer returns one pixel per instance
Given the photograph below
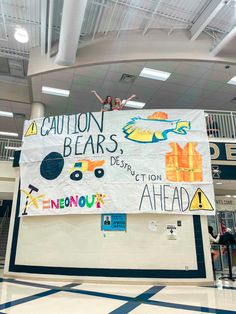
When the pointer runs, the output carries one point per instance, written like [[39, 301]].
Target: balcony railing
[[220, 124], [7, 148]]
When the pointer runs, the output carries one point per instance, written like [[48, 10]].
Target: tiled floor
[[35, 297]]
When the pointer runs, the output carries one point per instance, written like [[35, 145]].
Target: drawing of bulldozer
[[84, 165]]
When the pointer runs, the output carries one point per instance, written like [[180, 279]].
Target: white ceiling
[[15, 124], [228, 187], [191, 85]]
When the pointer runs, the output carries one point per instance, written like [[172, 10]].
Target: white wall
[[83, 244], [7, 179], [77, 241]]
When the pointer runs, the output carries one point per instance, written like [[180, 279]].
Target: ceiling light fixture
[[55, 91], [234, 196], [134, 104], [21, 35], [232, 81], [154, 74], [227, 195], [12, 147], [219, 183], [9, 134], [6, 114]]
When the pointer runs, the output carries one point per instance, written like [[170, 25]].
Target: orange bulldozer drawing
[[184, 164], [84, 165]]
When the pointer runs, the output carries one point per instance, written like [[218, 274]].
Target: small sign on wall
[[152, 225], [171, 232], [113, 222]]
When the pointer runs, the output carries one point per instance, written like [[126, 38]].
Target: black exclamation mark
[[200, 199], [32, 129]]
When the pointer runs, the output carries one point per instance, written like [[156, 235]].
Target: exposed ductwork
[[71, 24]]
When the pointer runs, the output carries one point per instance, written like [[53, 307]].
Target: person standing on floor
[[213, 239]]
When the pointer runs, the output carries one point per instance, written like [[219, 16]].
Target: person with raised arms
[[118, 104], [106, 103]]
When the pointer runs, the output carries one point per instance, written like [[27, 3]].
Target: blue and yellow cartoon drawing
[[154, 128]]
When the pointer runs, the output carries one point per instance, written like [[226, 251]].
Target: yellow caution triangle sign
[[32, 129], [200, 201]]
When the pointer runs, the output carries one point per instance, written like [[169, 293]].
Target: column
[[37, 110]]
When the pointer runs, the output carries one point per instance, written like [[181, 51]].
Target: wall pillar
[[37, 110]]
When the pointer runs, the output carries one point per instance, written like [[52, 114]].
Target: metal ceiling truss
[[13, 53], [42, 18], [23, 13], [150, 16], [3, 21], [205, 18]]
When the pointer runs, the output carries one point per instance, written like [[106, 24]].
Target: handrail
[[5, 217], [220, 124], [8, 147]]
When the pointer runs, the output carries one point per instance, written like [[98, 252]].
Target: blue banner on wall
[[113, 222]]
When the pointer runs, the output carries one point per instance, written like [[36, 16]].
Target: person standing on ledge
[[212, 127], [106, 103], [118, 104]]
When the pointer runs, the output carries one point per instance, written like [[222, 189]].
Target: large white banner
[[142, 161]]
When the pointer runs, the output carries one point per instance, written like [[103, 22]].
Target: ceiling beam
[[98, 20], [43, 30], [206, 17], [50, 24], [151, 18], [3, 21], [226, 39]]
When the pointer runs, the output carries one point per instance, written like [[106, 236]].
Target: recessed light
[[219, 183], [12, 147], [154, 74], [21, 35], [55, 91], [134, 104], [232, 81], [234, 196], [6, 114], [9, 134], [11, 158], [227, 195]]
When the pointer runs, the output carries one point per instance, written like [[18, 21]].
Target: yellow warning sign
[[200, 201], [32, 129]]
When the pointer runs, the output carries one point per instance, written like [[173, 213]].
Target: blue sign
[[114, 222]]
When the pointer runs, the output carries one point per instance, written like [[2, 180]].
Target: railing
[[7, 148], [221, 124]]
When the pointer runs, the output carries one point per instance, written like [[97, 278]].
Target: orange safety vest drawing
[[184, 164]]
